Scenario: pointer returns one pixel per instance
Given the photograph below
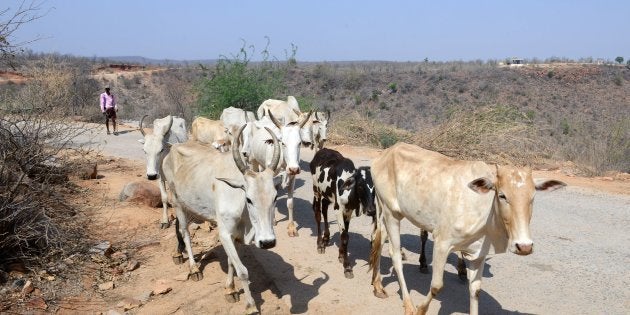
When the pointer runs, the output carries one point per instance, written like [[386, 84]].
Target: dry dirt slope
[[578, 266]]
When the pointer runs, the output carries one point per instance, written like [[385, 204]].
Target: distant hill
[[149, 61]]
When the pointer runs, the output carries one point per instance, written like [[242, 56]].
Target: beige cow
[[210, 132], [468, 206], [212, 186]]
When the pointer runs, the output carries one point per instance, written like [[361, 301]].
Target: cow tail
[[375, 252]]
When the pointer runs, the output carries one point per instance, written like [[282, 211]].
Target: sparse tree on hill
[[619, 60]]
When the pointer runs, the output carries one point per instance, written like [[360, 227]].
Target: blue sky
[[326, 30]]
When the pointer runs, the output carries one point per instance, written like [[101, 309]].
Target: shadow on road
[[283, 275]]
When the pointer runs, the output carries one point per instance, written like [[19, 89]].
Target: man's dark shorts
[[110, 113]]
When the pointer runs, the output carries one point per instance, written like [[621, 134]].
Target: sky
[[326, 30]]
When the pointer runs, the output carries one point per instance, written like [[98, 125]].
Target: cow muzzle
[[293, 170], [266, 244], [306, 144], [524, 248], [152, 176]]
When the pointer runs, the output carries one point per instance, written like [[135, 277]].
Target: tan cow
[[210, 132], [468, 206]]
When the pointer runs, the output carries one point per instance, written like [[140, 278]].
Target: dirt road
[[579, 264]]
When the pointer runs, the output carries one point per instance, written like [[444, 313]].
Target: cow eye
[[249, 201], [502, 196]]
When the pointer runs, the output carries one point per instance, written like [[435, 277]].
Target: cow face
[[261, 201], [260, 192], [291, 142], [514, 191], [154, 145], [366, 191]]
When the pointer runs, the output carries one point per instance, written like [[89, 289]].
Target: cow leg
[[392, 225], [317, 209], [440, 253], [461, 267], [178, 258], [164, 222], [326, 238], [343, 248], [231, 295], [291, 229], [474, 286], [424, 235], [194, 273], [241, 271], [375, 263]]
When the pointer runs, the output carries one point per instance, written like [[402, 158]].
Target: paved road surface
[[580, 263]]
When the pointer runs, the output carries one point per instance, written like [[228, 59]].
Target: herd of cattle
[[231, 170]]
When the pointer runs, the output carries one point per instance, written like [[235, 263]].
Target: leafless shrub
[[34, 169]]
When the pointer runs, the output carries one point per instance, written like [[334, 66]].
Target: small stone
[[144, 297], [182, 276], [129, 303], [27, 288], [104, 248], [161, 287], [133, 265], [37, 292], [37, 302], [106, 286], [112, 312]]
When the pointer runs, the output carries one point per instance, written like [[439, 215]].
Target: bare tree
[[10, 20]]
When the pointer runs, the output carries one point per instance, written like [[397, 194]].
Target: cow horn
[[276, 151], [303, 122], [170, 124], [316, 117], [236, 153], [275, 121], [328, 115], [141, 129]]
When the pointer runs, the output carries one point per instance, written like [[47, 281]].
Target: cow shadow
[[124, 132], [281, 276], [267, 270], [454, 296]]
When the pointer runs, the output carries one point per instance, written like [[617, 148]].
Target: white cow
[[286, 112], [319, 130], [261, 154], [233, 118], [210, 132], [468, 206], [166, 131], [212, 186]]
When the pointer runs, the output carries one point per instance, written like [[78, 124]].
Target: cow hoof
[[424, 269], [381, 294], [196, 276], [321, 250], [251, 310], [403, 256], [348, 274], [292, 232], [232, 297], [164, 226], [178, 260]]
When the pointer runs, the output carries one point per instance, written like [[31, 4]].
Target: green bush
[[236, 82]]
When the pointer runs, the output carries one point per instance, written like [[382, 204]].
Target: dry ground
[[293, 278]]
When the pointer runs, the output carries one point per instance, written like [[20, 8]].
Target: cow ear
[[549, 185], [141, 141], [232, 182], [481, 185]]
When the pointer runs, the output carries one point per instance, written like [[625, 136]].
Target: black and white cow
[[337, 181]]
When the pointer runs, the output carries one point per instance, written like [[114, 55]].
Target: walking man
[[109, 109]]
